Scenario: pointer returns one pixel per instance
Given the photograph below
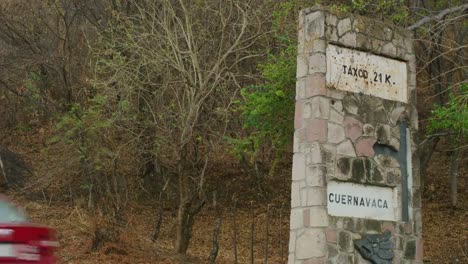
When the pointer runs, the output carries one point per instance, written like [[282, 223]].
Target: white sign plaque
[[362, 201], [360, 72]]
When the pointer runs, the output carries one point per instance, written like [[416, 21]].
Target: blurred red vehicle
[[22, 242]]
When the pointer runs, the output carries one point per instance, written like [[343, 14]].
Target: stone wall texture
[[334, 136]]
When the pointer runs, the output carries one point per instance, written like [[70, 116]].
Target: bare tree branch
[[439, 16]]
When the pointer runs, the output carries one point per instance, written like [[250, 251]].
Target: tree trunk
[[454, 174], [184, 228]]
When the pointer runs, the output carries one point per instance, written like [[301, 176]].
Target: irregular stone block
[[344, 25], [315, 176], [387, 161], [332, 33], [343, 168], [346, 148], [300, 88], [389, 49], [314, 26], [336, 117], [331, 235], [312, 243], [331, 19], [302, 66], [365, 146], [350, 104], [316, 196], [383, 134], [315, 85], [336, 133], [292, 240], [314, 130], [314, 156], [317, 63], [349, 39], [368, 130], [353, 128], [345, 242], [396, 114], [295, 195], [410, 249], [298, 115], [319, 107], [298, 168], [296, 219], [318, 216]]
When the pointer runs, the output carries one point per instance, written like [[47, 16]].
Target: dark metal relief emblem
[[378, 249]]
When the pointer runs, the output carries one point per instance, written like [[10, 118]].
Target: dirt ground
[[445, 228]]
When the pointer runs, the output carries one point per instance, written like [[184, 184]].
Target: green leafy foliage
[[453, 116], [267, 109]]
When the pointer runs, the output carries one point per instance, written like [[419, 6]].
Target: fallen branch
[[439, 16]]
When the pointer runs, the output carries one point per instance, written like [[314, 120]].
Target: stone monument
[[355, 180]]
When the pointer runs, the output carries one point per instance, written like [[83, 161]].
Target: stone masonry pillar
[[355, 175]]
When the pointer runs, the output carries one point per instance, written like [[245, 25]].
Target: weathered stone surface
[[337, 105], [364, 147], [296, 219], [298, 115], [317, 63], [316, 196], [393, 175], [291, 258], [336, 133], [336, 117], [318, 216], [345, 259], [319, 107], [312, 243], [302, 66], [332, 251], [332, 33], [344, 26], [345, 242], [350, 104], [314, 130], [314, 155], [372, 111], [344, 168], [346, 148], [410, 249], [373, 173], [394, 143], [419, 249], [319, 45], [387, 161], [358, 172], [315, 85], [315, 176], [292, 240], [331, 235], [331, 19], [314, 261], [295, 195], [349, 39], [388, 226], [397, 113], [298, 168], [383, 134], [353, 128], [389, 49], [314, 26], [368, 130], [373, 225]]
